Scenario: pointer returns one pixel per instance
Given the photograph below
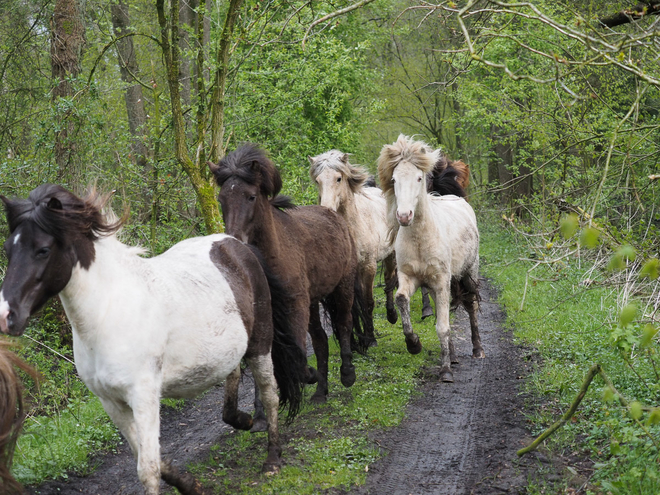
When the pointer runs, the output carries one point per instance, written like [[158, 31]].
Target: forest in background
[[553, 104]]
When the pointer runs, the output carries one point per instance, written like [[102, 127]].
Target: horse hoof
[[318, 398], [373, 343], [312, 376], [413, 344], [348, 376], [270, 469], [478, 353], [259, 424], [446, 376], [426, 312], [392, 316], [454, 360]]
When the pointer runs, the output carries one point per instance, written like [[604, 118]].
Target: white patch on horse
[[18, 236], [4, 307]]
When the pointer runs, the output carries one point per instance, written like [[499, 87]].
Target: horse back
[[323, 242], [458, 227]]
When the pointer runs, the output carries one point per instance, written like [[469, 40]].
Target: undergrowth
[[572, 321]]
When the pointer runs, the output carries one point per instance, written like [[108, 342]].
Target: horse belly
[[203, 360]]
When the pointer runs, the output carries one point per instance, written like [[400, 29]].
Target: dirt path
[[458, 438], [462, 438]]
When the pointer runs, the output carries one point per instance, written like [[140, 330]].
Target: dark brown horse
[[308, 248], [12, 414]]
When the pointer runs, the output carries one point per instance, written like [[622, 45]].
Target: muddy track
[[462, 438], [458, 438]]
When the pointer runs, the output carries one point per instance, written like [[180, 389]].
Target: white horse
[[169, 326], [436, 244], [341, 188]]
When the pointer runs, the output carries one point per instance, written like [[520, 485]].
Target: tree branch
[[337, 13], [639, 11]]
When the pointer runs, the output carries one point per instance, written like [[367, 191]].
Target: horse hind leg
[[389, 271], [341, 300], [264, 378], [427, 309], [470, 289], [320, 345], [230, 412]]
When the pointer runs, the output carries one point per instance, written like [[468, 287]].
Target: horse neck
[[266, 234], [348, 209], [86, 297]]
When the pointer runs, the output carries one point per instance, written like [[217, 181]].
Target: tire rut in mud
[[461, 438]]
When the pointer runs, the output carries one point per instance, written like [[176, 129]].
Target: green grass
[[51, 446], [569, 325]]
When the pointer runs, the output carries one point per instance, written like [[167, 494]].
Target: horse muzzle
[[405, 219], [10, 323]]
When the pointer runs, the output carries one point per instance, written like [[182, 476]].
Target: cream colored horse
[[436, 244]]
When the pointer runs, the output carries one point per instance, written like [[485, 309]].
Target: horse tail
[[12, 414], [361, 339], [289, 360]]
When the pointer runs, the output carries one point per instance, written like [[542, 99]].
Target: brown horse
[[12, 414], [309, 248]]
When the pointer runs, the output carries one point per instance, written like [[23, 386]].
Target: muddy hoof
[[446, 376], [373, 342], [318, 398], [259, 424], [426, 312], [312, 376], [270, 469], [478, 353], [413, 344], [347, 376], [454, 360], [392, 316]]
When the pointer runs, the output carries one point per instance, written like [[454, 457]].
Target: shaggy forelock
[[250, 164], [418, 153], [76, 216], [334, 160]]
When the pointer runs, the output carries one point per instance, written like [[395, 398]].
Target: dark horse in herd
[[176, 324]]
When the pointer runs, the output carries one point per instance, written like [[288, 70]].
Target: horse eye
[[43, 252], [419, 179], [338, 179], [393, 180], [252, 198]]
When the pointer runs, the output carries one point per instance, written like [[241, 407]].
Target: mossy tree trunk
[[195, 166]]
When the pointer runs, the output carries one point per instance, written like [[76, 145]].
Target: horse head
[[336, 178], [249, 184], [402, 170], [50, 233]]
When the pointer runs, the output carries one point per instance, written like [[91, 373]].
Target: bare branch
[[334, 14]]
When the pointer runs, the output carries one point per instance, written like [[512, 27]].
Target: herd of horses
[[176, 324]]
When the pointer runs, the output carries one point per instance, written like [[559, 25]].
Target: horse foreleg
[[146, 412], [441, 295], [262, 370], [230, 412], [389, 274], [367, 281], [406, 289], [427, 309], [320, 344]]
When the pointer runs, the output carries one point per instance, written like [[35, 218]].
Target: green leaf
[[616, 262], [615, 448], [650, 269], [654, 417], [647, 336], [569, 225], [589, 237], [636, 410], [608, 394], [628, 314], [627, 252]]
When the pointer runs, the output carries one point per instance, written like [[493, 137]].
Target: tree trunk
[[130, 71], [67, 41], [197, 171]]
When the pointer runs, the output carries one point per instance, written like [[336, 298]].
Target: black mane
[[445, 182], [250, 164], [61, 213]]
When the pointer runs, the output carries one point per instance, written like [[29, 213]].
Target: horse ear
[[423, 150], [213, 167], [344, 158], [54, 204]]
